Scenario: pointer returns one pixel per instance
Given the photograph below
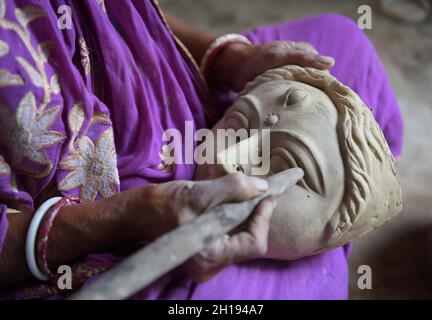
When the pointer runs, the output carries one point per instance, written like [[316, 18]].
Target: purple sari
[[82, 111]]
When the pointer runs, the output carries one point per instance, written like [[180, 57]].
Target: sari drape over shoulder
[[87, 89]]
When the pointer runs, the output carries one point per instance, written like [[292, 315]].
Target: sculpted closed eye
[[294, 96]]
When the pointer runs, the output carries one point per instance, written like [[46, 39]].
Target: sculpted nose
[[242, 156]]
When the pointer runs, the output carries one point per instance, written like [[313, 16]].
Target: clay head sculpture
[[350, 185]]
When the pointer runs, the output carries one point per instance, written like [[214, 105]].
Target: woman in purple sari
[[83, 104]]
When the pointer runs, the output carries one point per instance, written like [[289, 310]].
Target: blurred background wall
[[396, 252]]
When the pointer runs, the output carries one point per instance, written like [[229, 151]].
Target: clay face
[[349, 186]]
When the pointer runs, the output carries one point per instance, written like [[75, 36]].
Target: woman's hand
[[139, 214], [248, 241], [150, 211], [240, 63], [157, 209]]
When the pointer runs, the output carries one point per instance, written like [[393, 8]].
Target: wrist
[[112, 213], [221, 56], [122, 206], [226, 65], [134, 209], [81, 229]]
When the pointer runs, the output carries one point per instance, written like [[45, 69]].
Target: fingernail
[[326, 60], [259, 184]]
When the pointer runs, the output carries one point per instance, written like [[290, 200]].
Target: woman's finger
[[299, 46], [248, 244], [305, 46], [309, 59], [300, 53], [230, 188], [252, 242], [259, 223]]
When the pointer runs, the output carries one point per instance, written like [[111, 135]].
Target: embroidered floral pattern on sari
[[26, 132], [4, 167], [102, 4], [93, 167], [84, 52], [4, 48], [166, 156], [8, 79]]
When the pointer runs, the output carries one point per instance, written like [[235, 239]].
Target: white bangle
[[31, 238]]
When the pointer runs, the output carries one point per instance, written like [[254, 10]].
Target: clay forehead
[[277, 103], [278, 87]]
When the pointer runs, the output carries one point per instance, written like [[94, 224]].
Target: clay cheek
[[298, 218]]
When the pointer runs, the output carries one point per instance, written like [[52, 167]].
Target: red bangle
[[216, 47], [42, 244]]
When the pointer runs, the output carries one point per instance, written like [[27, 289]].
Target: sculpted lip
[[296, 153]]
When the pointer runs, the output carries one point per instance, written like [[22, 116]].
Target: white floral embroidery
[[4, 48], [8, 79], [94, 168], [26, 133], [4, 167], [166, 165], [84, 52], [102, 4]]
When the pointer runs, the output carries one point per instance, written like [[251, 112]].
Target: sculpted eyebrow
[[250, 101], [297, 154]]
